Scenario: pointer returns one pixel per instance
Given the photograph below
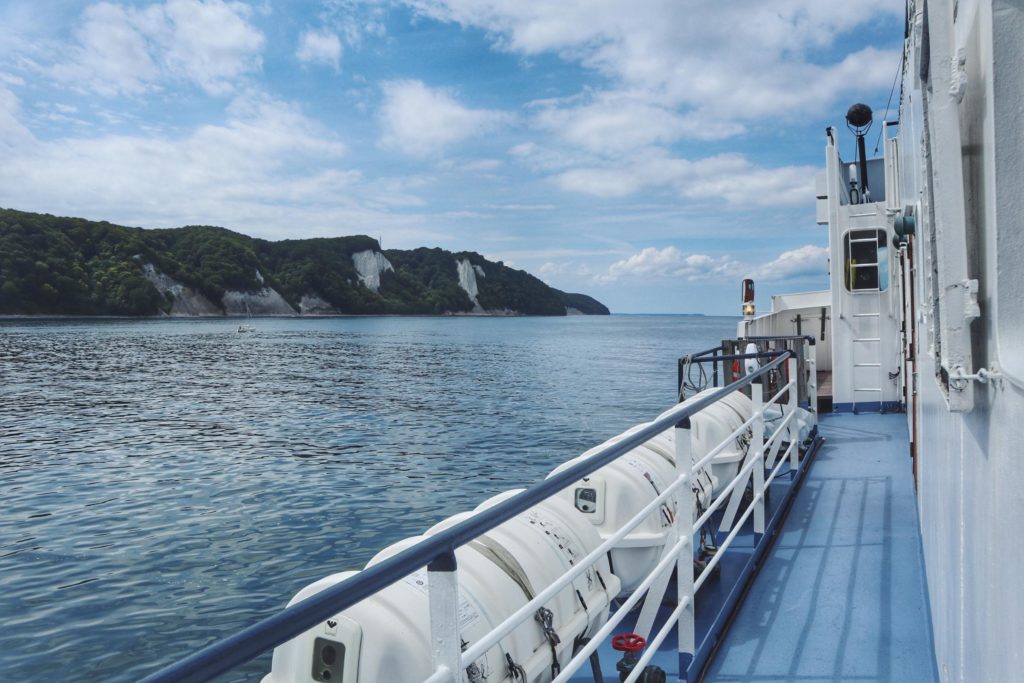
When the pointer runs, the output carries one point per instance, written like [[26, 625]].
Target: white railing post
[[684, 563], [757, 442], [443, 589], [812, 379], [794, 425]]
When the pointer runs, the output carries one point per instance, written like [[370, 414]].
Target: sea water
[[165, 483]]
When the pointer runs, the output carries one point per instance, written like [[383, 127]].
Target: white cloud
[[807, 260], [551, 270], [11, 79], [422, 121], [615, 122], [255, 161], [761, 50], [112, 55], [355, 19], [515, 206], [129, 51], [212, 43], [13, 135], [671, 262], [268, 170], [317, 47], [731, 177], [679, 71]]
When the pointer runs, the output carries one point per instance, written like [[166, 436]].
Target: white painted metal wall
[[781, 322], [971, 472]]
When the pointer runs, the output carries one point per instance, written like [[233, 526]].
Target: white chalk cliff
[[370, 264], [467, 280], [313, 304], [266, 301], [185, 300]]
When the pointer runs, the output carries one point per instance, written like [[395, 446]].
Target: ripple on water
[[166, 483]]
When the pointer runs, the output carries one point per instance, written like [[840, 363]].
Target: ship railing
[[437, 552], [722, 364]]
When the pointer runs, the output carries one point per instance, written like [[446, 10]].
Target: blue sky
[[649, 153]]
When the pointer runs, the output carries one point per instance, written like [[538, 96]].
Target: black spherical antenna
[[858, 118]]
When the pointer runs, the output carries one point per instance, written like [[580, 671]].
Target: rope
[[497, 554]]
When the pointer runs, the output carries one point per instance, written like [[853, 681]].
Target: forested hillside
[[51, 265]]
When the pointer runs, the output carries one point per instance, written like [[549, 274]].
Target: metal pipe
[[863, 154], [740, 356]]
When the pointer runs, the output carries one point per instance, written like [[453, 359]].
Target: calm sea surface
[[165, 483]]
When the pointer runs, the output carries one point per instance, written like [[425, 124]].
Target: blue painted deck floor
[[841, 596]]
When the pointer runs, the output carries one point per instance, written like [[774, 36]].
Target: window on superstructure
[[866, 262]]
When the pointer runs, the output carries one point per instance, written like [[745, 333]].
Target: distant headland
[[51, 265]]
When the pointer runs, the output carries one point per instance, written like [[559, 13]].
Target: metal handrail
[[243, 646], [672, 554]]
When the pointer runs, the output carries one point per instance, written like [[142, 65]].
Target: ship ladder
[[867, 340]]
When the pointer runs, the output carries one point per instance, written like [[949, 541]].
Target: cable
[[903, 58]]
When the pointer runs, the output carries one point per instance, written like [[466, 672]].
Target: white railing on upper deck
[[450, 662]]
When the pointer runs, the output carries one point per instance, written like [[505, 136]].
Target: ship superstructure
[[948, 313]]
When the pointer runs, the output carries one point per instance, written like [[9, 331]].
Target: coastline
[[314, 316]]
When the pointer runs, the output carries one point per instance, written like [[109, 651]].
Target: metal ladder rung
[[867, 365], [878, 390], [864, 239], [863, 265], [866, 315], [868, 339]]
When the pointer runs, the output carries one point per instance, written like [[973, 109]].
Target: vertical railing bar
[[443, 595], [757, 442], [812, 378], [794, 428], [686, 629]]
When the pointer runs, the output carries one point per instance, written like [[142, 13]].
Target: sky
[[650, 153]]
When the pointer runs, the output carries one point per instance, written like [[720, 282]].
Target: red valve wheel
[[628, 642]]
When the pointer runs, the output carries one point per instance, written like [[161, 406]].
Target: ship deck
[[841, 595]]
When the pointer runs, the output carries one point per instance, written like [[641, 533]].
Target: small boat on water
[[836, 493]]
